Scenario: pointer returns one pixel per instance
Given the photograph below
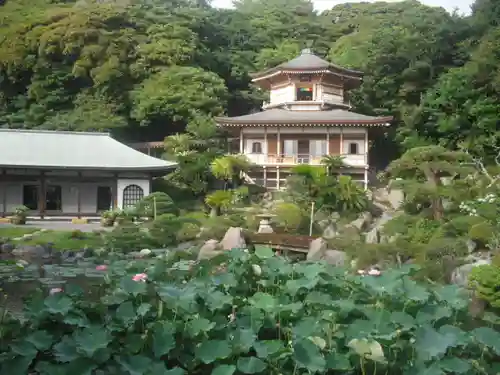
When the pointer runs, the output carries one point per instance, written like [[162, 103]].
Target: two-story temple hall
[[308, 117]]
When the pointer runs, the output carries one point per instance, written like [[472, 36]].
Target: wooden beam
[[43, 195], [114, 192], [4, 195], [70, 179], [79, 197]]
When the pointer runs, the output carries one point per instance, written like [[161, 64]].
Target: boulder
[[210, 249], [233, 239], [471, 246], [6, 248], [329, 227], [461, 274], [317, 249], [329, 232], [30, 253], [362, 222], [374, 235], [335, 257], [145, 252]]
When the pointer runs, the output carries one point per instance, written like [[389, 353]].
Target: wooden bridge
[[284, 243]]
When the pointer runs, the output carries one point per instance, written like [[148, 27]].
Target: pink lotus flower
[[140, 277], [55, 290], [374, 272], [101, 267]]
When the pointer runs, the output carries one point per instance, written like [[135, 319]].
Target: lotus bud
[[256, 269]]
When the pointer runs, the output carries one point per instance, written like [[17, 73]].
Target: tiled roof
[[287, 117], [72, 150], [307, 61]]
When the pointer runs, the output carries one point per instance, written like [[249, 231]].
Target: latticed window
[[132, 194], [256, 148]]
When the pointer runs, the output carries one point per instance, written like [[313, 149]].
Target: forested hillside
[[144, 69]]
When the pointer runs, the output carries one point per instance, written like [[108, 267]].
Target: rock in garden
[[7, 248], [373, 236], [317, 249], [471, 246], [335, 257], [29, 252], [145, 252], [362, 222], [233, 239], [461, 274], [209, 250], [329, 232]]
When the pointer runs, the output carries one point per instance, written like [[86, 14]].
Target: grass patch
[[68, 240], [13, 232], [65, 240]]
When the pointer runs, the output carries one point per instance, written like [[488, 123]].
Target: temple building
[[72, 174], [307, 117]]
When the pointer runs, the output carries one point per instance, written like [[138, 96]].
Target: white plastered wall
[[144, 184]]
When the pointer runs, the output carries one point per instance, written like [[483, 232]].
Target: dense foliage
[[257, 313], [146, 68]]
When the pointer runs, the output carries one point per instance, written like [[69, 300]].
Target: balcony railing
[[274, 159]]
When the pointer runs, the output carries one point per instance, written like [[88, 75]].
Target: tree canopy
[[144, 69]]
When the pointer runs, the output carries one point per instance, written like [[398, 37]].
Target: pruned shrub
[[485, 280], [127, 238], [289, 217], [156, 203]]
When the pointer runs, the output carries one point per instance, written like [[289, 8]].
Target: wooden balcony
[[359, 160]]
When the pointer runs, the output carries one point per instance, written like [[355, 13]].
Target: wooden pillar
[[241, 141], [277, 178], [114, 191], [328, 141], [341, 141], [366, 147], [265, 177], [79, 196], [366, 159], [266, 147], [42, 199], [278, 146], [4, 194]]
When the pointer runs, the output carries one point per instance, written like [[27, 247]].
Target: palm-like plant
[[218, 201], [348, 195], [335, 193], [333, 163], [229, 167], [312, 178]]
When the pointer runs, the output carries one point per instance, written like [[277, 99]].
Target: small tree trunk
[[437, 208], [437, 202], [214, 211]]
